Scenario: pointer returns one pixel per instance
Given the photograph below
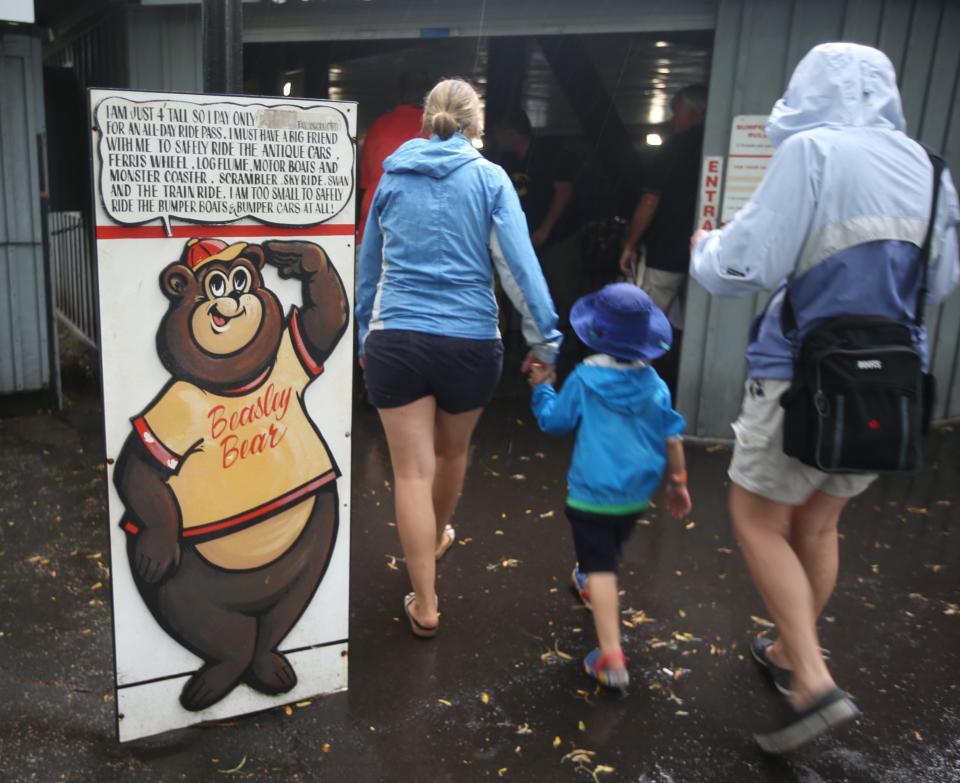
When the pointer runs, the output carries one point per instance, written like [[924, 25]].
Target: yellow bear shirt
[[237, 459]]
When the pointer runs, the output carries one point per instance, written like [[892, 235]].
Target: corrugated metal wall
[[757, 43], [25, 344], [164, 49]]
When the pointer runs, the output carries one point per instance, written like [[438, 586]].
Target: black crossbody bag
[[860, 401]]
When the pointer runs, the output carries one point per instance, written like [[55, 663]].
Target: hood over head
[[434, 157], [838, 85]]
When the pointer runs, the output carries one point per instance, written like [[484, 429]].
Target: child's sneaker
[[600, 667], [578, 583]]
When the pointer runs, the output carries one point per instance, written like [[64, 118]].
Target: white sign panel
[[17, 11], [225, 252], [750, 153]]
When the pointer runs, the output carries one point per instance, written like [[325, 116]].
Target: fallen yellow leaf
[[236, 769], [556, 742], [445, 703], [502, 771], [288, 710], [485, 697], [326, 747], [762, 621]]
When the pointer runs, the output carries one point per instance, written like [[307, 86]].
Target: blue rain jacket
[[623, 418], [440, 215], [842, 211]]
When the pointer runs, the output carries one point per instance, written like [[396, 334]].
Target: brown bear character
[[230, 490]]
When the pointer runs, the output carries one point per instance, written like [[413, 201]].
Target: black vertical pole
[[53, 342], [222, 23]]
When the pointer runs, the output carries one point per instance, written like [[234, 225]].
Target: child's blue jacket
[[623, 418]]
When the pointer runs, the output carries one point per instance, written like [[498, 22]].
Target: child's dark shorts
[[401, 367], [599, 538]]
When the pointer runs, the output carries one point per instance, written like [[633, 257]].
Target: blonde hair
[[452, 106]]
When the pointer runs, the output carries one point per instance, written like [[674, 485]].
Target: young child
[[627, 433]]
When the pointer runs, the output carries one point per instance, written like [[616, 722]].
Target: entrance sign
[[225, 252], [708, 203], [750, 153]]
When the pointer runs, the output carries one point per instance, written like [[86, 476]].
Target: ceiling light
[[663, 70], [661, 44], [657, 115], [654, 139]]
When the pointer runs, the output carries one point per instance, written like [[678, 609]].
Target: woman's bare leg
[[410, 435], [452, 433]]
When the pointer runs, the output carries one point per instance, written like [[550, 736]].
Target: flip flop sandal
[[449, 535], [420, 631]]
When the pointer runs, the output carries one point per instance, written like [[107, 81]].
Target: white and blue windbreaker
[[842, 211], [440, 214]]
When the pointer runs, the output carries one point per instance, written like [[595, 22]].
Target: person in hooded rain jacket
[[627, 434], [427, 319], [842, 212]]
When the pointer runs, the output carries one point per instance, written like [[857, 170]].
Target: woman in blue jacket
[[427, 318]]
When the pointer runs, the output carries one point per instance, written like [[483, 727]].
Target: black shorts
[[599, 538], [402, 366]]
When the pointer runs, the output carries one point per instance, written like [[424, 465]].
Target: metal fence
[[74, 274]]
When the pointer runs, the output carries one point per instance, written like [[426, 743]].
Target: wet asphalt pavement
[[499, 694]]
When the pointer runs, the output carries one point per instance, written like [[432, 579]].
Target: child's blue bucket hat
[[622, 321]]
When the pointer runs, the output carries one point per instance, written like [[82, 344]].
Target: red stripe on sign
[[281, 503], [232, 230]]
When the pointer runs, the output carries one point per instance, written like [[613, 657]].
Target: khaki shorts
[[759, 464], [662, 287]]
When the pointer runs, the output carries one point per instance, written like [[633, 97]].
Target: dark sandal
[[420, 631], [781, 678], [832, 709]]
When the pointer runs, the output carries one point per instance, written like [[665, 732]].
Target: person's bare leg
[[410, 430], [762, 528], [452, 433], [813, 536], [605, 601]]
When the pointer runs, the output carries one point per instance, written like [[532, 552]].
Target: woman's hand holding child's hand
[[541, 373], [678, 500]]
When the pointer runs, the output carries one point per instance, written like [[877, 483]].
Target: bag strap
[[788, 319], [938, 166]]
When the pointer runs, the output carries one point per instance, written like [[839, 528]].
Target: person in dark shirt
[[543, 174], [665, 215]]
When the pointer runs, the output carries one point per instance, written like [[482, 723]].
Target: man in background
[[386, 133], [665, 215], [543, 174]]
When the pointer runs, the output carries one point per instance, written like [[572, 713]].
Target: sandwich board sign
[[225, 255]]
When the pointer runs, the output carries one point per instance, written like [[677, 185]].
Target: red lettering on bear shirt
[[271, 405]]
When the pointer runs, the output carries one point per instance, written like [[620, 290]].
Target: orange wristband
[[678, 478]]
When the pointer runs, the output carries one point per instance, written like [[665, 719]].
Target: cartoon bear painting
[[229, 489]]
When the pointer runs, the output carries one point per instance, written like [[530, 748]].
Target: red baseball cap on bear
[[198, 252]]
